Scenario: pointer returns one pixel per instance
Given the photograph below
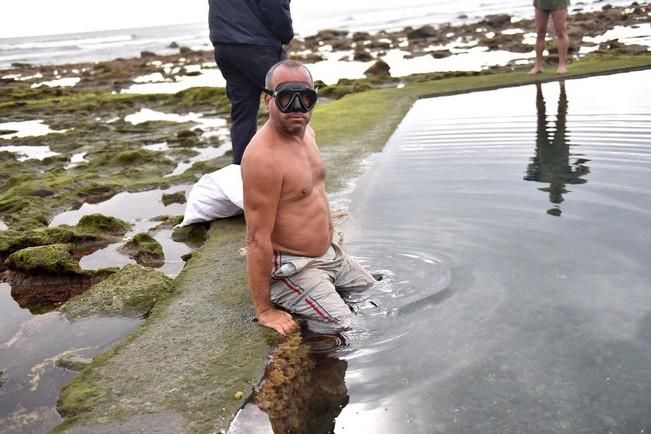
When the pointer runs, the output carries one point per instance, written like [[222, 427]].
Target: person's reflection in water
[[552, 160], [303, 390]]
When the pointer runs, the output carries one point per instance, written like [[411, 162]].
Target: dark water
[[512, 228], [30, 346]]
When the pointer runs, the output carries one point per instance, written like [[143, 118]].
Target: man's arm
[[262, 185]]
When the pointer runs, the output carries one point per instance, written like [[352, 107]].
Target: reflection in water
[[552, 160], [303, 390]]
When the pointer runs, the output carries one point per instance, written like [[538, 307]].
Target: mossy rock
[[101, 224], [144, 249], [193, 235], [379, 69], [131, 292], [53, 259], [136, 156], [178, 197], [14, 240]]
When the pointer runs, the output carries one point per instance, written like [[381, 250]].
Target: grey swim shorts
[[312, 287]]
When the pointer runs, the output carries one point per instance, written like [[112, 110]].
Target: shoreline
[[157, 373], [108, 386], [434, 46]]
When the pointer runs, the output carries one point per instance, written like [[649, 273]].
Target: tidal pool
[[512, 231], [516, 221], [30, 346], [137, 209]]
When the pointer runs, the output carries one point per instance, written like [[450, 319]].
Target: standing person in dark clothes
[[248, 38]]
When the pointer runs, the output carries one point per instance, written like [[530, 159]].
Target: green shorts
[[312, 287], [550, 5]]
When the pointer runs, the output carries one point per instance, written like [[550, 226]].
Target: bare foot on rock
[[562, 69], [537, 69]]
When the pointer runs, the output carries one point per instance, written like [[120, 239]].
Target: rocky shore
[[199, 354]]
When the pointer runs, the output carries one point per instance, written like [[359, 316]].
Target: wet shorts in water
[[311, 287]]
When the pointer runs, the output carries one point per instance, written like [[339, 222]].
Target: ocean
[[309, 17]]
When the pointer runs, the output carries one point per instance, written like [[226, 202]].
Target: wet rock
[[614, 45], [73, 362], [361, 36], [167, 221], [379, 69], [426, 31], [193, 235], [101, 224], [169, 198], [145, 250], [42, 292], [51, 259], [133, 292], [440, 54], [496, 21], [362, 54]]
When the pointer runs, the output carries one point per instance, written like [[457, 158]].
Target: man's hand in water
[[278, 320]]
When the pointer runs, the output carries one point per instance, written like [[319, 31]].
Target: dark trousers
[[244, 67]]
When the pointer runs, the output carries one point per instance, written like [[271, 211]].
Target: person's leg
[[350, 276], [542, 17], [310, 293], [244, 68], [559, 17]]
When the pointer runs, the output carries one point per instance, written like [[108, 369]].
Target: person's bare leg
[[559, 17], [541, 31]]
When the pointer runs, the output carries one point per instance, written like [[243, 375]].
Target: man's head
[[289, 96]]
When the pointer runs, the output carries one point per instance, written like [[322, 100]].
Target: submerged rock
[[73, 362], [145, 250], [133, 291], [192, 235], [43, 277], [3, 378], [178, 197]]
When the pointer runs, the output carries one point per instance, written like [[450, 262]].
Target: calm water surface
[[513, 230]]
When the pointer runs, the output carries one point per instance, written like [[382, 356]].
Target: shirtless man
[[292, 261]]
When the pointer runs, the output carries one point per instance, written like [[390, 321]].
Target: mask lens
[[284, 98], [308, 98]]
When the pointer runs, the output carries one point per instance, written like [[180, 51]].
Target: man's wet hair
[[287, 63]]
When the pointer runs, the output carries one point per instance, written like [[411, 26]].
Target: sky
[[45, 17], [50, 17]]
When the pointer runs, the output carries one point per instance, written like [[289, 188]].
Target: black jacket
[[251, 22]]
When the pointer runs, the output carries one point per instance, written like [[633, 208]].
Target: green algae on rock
[[72, 362], [131, 292], [53, 259], [193, 235], [99, 223], [144, 249]]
